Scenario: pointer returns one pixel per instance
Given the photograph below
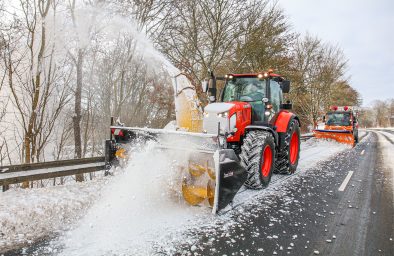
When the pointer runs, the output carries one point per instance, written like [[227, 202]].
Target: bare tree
[[316, 68], [31, 75], [78, 62]]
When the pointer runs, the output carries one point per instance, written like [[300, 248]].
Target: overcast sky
[[363, 29]]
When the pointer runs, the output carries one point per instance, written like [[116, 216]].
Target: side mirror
[[204, 86], [212, 88], [285, 85]]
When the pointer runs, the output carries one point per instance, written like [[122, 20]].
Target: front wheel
[[258, 158], [288, 157]]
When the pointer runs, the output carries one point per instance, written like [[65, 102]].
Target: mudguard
[[283, 119], [281, 122], [230, 176]]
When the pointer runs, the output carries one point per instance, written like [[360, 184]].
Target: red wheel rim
[[266, 161], [294, 144]]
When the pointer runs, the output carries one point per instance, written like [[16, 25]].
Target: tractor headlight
[[206, 114], [223, 114]]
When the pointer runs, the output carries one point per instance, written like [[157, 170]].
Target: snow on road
[[386, 140], [136, 212], [312, 151]]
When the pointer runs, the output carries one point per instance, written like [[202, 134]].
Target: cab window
[[276, 95]]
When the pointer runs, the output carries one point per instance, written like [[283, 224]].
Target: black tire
[[256, 144], [284, 164]]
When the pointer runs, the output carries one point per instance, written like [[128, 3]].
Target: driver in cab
[[255, 92]]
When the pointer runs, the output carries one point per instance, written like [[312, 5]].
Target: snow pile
[[138, 209], [387, 148], [315, 150], [29, 214]]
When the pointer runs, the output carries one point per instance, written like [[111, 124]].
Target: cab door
[[276, 96]]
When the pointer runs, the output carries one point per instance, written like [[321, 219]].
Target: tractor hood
[[219, 107]]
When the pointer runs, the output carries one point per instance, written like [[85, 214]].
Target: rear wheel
[[287, 160], [258, 158]]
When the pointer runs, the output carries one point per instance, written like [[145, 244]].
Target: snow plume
[[103, 23], [140, 207]]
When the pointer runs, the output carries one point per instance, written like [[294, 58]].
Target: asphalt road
[[310, 216], [313, 213]]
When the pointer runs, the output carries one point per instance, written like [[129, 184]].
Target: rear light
[[117, 132]]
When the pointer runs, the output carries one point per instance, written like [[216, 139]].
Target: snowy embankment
[[387, 148], [134, 213], [29, 214]]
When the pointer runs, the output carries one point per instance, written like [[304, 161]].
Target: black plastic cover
[[230, 179]]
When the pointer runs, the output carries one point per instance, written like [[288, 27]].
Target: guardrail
[[14, 174], [306, 137]]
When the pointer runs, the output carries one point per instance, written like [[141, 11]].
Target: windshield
[[244, 89], [341, 119]]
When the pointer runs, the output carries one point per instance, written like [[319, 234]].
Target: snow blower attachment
[[209, 173], [340, 125], [246, 136]]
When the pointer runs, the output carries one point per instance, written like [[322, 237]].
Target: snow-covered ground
[[29, 214], [135, 213], [388, 149]]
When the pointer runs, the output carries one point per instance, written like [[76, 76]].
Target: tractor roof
[[252, 75]]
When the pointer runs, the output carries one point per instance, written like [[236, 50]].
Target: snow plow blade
[[230, 177], [341, 136], [208, 174]]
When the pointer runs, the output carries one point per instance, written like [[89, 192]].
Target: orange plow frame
[[341, 136]]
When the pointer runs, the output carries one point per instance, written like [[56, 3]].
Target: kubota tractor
[[248, 134], [340, 124]]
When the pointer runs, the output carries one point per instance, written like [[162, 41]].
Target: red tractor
[[257, 123]]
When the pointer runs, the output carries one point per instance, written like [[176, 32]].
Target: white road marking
[[362, 152], [346, 181]]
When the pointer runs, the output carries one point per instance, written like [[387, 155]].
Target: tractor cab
[[264, 94], [340, 118], [255, 98]]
